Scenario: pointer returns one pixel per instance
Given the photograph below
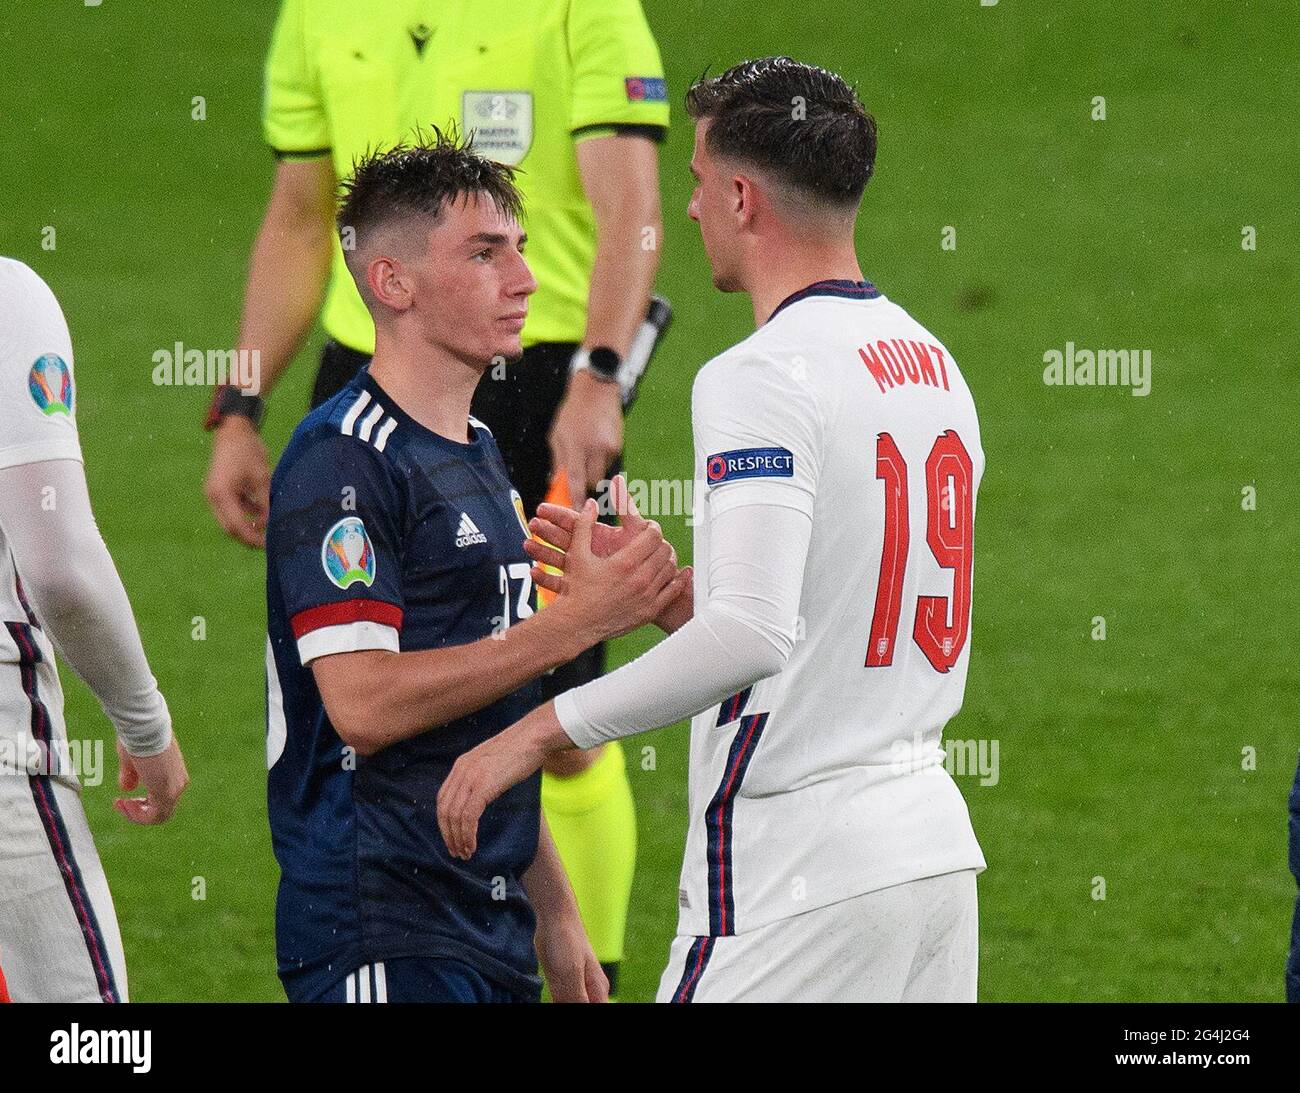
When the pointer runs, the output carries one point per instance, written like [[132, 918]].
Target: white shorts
[[59, 940], [913, 942]]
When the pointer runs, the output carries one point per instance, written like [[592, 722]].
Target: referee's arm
[[287, 273], [620, 175], [290, 264], [618, 111]]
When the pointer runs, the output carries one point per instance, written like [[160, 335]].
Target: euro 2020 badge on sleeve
[[50, 382], [348, 555]]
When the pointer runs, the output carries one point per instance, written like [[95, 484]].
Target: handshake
[[611, 580]]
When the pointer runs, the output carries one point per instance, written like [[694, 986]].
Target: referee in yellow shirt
[[572, 93]]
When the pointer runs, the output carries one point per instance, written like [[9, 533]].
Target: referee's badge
[[347, 555], [501, 123]]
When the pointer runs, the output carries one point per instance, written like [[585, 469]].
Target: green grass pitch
[[1128, 759]]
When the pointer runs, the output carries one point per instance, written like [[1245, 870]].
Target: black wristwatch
[[229, 400], [602, 362]]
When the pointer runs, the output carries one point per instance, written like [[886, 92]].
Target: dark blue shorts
[[413, 979]]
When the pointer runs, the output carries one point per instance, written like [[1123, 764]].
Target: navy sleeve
[[334, 546]]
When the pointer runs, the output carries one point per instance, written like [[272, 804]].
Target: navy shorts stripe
[[47, 808], [718, 825], [410, 979], [697, 959]]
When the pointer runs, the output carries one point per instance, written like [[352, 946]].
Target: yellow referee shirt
[[529, 77]]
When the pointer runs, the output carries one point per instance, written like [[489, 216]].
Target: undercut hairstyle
[[802, 125], [419, 179]]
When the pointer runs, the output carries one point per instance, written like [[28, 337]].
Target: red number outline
[[951, 540], [892, 470]]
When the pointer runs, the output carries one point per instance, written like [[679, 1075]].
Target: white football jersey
[[36, 424], [826, 780]]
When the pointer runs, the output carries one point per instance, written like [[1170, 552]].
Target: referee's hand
[[238, 486], [587, 433]]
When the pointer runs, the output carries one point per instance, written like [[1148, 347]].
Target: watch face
[[604, 361]]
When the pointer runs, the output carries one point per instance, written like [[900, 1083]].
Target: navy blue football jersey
[[385, 535]]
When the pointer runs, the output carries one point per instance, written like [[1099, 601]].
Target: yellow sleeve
[[618, 77], [293, 114]]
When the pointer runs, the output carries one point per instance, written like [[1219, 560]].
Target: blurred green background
[[1120, 759]]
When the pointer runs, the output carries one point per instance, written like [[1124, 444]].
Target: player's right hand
[[554, 524], [622, 591], [238, 486], [552, 529], [164, 777]]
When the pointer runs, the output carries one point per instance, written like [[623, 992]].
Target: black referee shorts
[[518, 407]]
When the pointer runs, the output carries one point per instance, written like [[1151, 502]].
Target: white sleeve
[[47, 521], [37, 406], [78, 597], [744, 632], [758, 431]]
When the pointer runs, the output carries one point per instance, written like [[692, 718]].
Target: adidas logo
[[468, 533]]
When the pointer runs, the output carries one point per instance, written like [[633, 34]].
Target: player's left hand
[[551, 530], [587, 433], [552, 534], [483, 773], [164, 777], [572, 971]]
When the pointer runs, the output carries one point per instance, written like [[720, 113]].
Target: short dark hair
[[801, 123], [419, 178]]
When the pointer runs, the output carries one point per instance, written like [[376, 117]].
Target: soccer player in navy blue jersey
[[401, 621]]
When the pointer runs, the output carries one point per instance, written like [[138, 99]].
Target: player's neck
[[428, 383], [781, 271]]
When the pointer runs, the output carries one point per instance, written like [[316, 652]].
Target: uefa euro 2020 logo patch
[[749, 463], [50, 382], [347, 554]]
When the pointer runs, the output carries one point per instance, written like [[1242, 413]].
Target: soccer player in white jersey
[[830, 856], [59, 939]]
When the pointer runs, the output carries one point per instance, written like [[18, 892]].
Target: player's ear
[[389, 283], [743, 197]]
